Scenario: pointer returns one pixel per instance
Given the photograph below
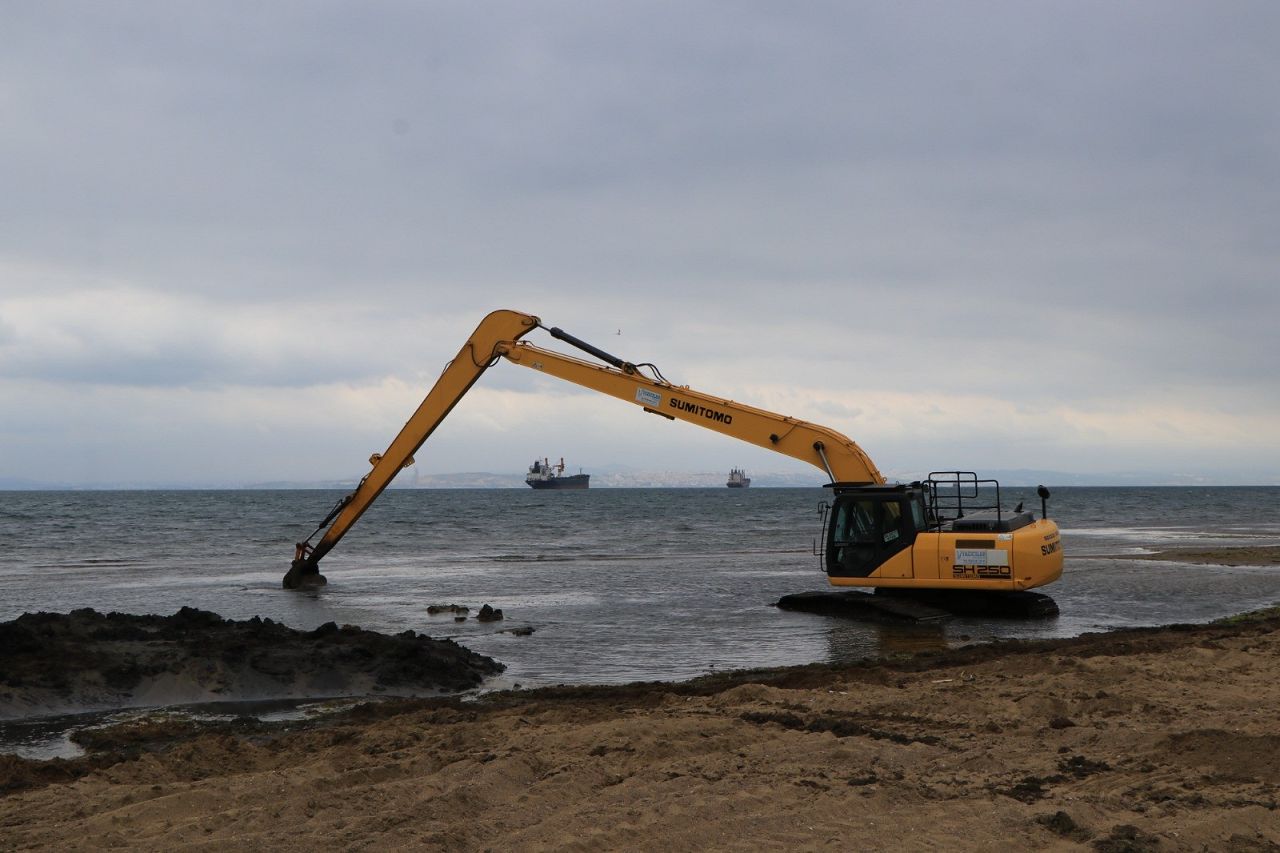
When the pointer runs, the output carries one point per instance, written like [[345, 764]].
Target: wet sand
[[1266, 555], [1148, 739]]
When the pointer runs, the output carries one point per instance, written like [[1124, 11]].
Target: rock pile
[[85, 660]]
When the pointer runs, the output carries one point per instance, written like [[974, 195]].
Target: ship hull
[[741, 485], [575, 481]]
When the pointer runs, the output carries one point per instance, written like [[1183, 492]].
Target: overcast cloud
[[239, 241]]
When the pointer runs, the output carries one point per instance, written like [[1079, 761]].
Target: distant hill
[[629, 478], [1033, 477]]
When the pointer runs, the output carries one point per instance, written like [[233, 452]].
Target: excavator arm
[[499, 336], [500, 328], [839, 457]]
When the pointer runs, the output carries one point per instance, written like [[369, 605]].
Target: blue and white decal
[[645, 397], [981, 557]]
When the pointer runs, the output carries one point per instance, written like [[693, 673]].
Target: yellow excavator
[[942, 536]]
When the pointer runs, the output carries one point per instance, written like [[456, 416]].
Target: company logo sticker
[[981, 557], [645, 397]]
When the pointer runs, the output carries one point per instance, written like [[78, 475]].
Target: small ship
[[543, 475], [738, 479]]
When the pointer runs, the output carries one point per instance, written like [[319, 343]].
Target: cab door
[[869, 532]]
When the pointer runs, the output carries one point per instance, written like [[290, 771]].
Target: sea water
[[616, 584]]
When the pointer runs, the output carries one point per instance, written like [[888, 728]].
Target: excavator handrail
[[499, 336]]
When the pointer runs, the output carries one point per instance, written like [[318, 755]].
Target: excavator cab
[[873, 526]]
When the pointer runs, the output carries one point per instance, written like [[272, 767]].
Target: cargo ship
[[543, 475], [738, 479]]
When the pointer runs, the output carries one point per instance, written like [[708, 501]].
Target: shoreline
[[1156, 738]]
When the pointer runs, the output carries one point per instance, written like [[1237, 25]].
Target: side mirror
[[1044, 501]]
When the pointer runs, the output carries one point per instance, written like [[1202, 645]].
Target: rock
[[489, 614], [58, 663]]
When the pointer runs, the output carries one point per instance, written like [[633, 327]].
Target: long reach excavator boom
[[879, 535]]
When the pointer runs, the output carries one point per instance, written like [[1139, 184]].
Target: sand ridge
[[1249, 555]]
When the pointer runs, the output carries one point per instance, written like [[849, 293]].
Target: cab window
[[868, 521], [856, 522], [890, 522], [917, 515]]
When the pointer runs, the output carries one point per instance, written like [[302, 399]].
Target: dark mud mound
[[52, 663]]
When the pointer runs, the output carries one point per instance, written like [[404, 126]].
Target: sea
[[617, 585]]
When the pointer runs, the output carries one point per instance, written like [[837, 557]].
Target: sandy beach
[[1148, 739]]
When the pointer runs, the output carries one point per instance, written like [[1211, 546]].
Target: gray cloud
[[1045, 204]]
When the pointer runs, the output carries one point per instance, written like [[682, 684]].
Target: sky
[[239, 241]]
